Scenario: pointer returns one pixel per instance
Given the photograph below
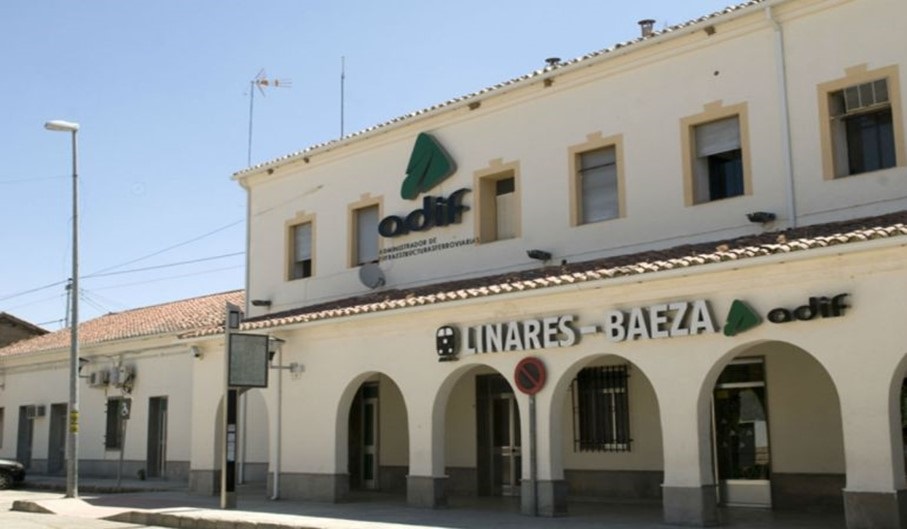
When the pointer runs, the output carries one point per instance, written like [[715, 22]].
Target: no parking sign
[[529, 375]]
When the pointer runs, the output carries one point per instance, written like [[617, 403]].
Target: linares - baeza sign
[[656, 321]]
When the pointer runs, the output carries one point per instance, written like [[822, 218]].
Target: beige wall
[[393, 436], [804, 412]]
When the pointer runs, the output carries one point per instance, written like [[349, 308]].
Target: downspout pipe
[[784, 111], [275, 488]]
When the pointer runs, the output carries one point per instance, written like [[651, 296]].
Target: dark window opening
[[725, 174], [113, 435]]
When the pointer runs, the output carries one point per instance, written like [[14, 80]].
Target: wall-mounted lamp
[[540, 255], [274, 344], [261, 302], [196, 352], [760, 217]]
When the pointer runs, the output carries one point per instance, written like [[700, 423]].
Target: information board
[[248, 361]]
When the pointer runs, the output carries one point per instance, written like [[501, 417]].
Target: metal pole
[[241, 426], [228, 435], [251, 104], [533, 464], [342, 86], [68, 301], [72, 445], [123, 422], [275, 494]]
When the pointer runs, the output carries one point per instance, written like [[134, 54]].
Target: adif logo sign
[[429, 165]]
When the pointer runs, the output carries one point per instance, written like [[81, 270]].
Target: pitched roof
[[535, 74], [31, 327], [173, 317], [686, 256]]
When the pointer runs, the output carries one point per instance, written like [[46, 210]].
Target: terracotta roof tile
[[174, 317]]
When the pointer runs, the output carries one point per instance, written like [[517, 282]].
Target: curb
[[29, 506], [189, 522], [96, 489]]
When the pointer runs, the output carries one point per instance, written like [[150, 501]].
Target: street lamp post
[[72, 437]]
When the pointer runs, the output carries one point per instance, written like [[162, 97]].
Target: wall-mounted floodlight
[[760, 217], [540, 255]]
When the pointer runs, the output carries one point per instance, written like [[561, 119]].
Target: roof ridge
[[173, 317], [165, 303]]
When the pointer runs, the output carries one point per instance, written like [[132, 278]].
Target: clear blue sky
[[161, 90]]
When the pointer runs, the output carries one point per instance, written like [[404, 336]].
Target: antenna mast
[[261, 81], [342, 83]]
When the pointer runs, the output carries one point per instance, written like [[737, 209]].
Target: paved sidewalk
[[168, 504]]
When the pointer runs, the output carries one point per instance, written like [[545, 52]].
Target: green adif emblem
[[740, 318], [428, 166]]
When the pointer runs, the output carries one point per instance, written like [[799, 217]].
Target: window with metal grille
[[862, 128], [113, 436], [601, 410]]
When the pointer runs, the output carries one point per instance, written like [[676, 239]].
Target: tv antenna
[[261, 81]]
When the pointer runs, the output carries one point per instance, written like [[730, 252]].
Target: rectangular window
[[505, 208], [301, 264], [1, 427], [497, 195], [599, 198], [601, 410], [113, 434], [366, 235], [862, 128], [718, 164]]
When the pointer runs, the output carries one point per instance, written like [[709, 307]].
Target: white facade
[[695, 128], [135, 355], [635, 97]]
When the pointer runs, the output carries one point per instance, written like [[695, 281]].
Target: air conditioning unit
[[121, 375], [99, 379], [113, 376]]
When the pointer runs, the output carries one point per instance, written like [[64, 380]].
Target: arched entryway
[[482, 435], [776, 431], [377, 439], [606, 431]]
